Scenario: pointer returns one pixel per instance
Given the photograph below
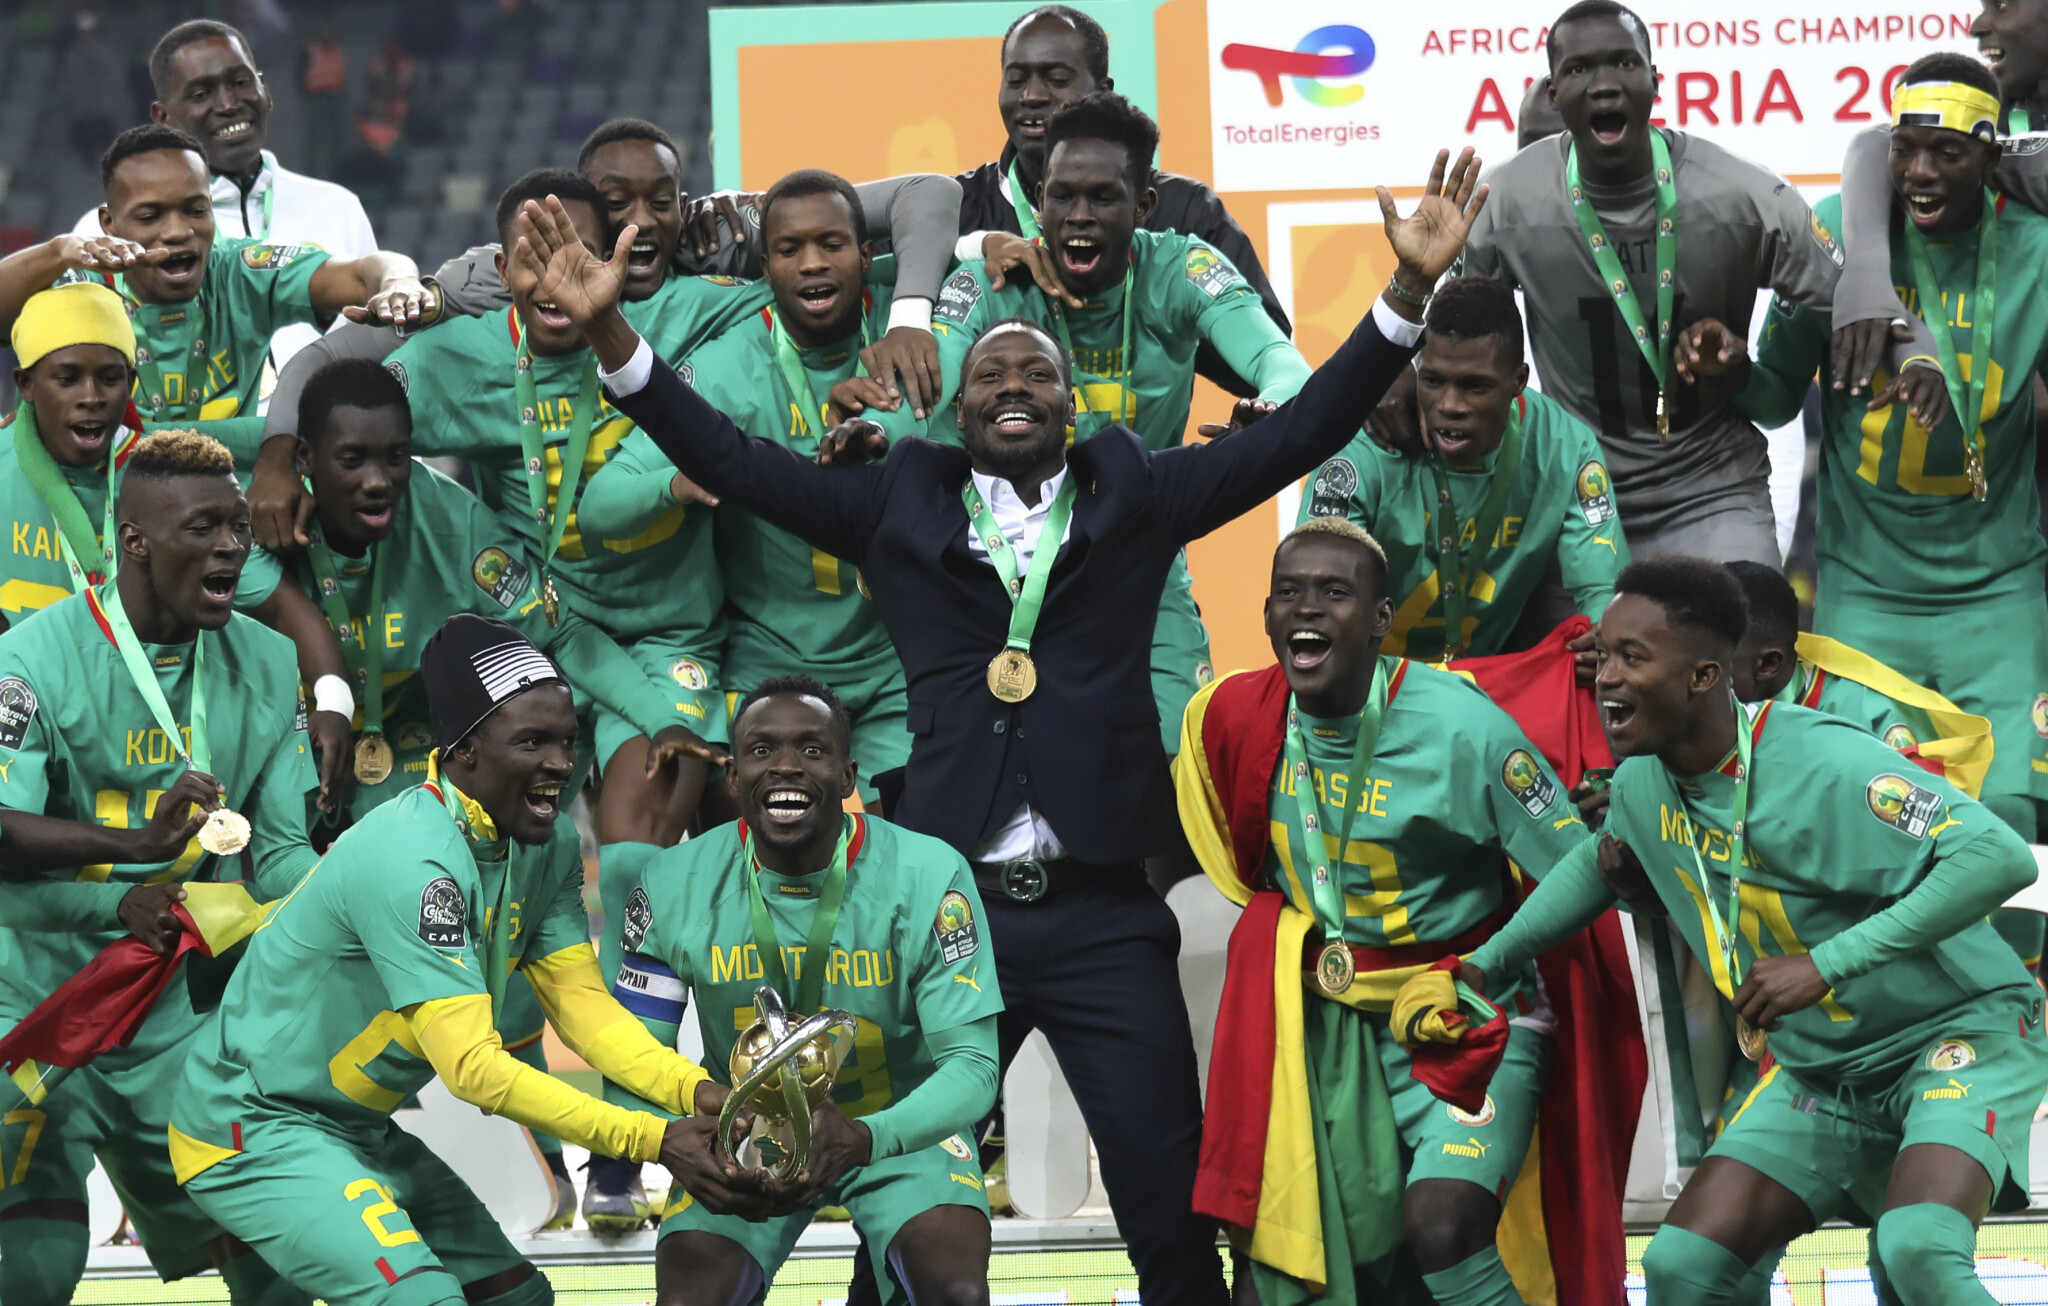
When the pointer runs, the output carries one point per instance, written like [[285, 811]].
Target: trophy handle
[[788, 1043]]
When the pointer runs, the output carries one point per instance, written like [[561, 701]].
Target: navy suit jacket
[[1084, 749]]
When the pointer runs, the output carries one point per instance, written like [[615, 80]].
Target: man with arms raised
[[208, 86], [1507, 485], [1052, 56], [887, 926], [1837, 896], [385, 969], [1037, 750], [149, 734], [1389, 794], [1618, 234]]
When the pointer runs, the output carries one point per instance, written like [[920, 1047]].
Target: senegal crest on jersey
[[1951, 1054], [689, 674], [1526, 781], [1900, 803], [2041, 715]]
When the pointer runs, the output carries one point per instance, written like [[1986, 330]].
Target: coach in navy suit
[[1058, 797]]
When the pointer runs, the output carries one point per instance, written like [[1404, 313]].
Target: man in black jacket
[[1019, 579], [1053, 56]]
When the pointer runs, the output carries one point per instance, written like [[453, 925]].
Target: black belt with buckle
[[1029, 879]]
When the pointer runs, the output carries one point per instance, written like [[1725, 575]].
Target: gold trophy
[[783, 1072]]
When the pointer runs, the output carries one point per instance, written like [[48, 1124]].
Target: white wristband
[[332, 694], [912, 311]]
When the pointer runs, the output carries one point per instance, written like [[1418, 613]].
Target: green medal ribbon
[[1658, 351], [533, 444], [791, 361], [493, 947], [1126, 376], [1325, 890], [74, 528], [817, 945], [2017, 121], [1453, 578], [114, 624], [1966, 397], [364, 654], [1020, 199], [1724, 927], [151, 378], [1027, 592]]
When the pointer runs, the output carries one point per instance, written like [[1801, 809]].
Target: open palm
[[1427, 241], [552, 258]]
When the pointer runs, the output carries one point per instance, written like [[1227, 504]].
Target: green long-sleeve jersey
[[1897, 520], [1561, 509]]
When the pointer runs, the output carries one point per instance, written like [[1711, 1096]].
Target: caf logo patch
[[17, 711], [1901, 738], [2041, 715], [1826, 240], [1596, 493], [1330, 493], [688, 674], [1903, 805], [1210, 271], [1525, 780], [720, 279], [959, 937], [397, 370], [500, 575], [1466, 1118], [957, 297], [639, 915], [957, 1148], [1951, 1054], [264, 258], [444, 920]]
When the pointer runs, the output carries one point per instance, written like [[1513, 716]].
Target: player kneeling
[[385, 968], [894, 923]]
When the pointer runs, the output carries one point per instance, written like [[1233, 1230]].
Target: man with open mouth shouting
[[1837, 897], [1020, 581], [1387, 794], [385, 968], [148, 733]]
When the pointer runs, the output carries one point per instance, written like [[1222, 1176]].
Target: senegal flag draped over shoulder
[[102, 1006], [1561, 1232], [1960, 756]]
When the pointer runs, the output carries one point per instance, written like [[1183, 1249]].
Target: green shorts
[[882, 1198], [1973, 1089], [880, 708], [1180, 653], [353, 1217], [118, 1110], [1446, 1143], [1990, 658], [686, 669]]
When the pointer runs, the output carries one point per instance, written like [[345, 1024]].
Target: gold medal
[[860, 582], [1973, 467], [225, 833], [373, 759], [1663, 417], [1753, 1041], [550, 601], [1012, 675], [1335, 968]]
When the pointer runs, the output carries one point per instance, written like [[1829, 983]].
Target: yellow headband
[[81, 313], [1954, 105]]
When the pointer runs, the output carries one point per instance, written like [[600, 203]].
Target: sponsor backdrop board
[[1294, 111]]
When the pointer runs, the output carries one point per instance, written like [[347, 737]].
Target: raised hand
[[855, 395], [702, 215], [852, 444], [104, 253], [1427, 241], [674, 743], [1003, 253], [180, 811], [1710, 348], [550, 258], [1243, 413]]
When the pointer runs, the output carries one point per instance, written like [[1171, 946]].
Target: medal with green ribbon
[[74, 528], [818, 944], [1126, 375], [1967, 397], [1657, 351], [1453, 578], [1335, 967], [790, 359], [186, 348], [1012, 675], [225, 833], [362, 653], [1020, 199], [1754, 1042], [533, 445]]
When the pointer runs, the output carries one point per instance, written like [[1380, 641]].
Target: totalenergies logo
[[1328, 52]]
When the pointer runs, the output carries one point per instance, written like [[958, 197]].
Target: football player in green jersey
[[204, 308], [1438, 785], [384, 969], [60, 467], [833, 911], [140, 722], [1517, 469], [1138, 305], [793, 608], [1837, 897]]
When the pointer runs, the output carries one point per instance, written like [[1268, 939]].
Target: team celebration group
[[831, 540]]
